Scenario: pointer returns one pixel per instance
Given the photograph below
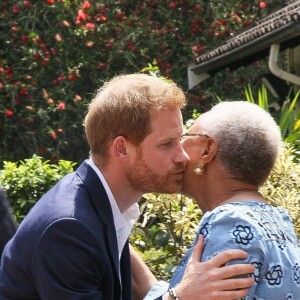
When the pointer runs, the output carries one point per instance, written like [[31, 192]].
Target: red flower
[[46, 52], [24, 38], [36, 56], [66, 23], [71, 77], [246, 23], [9, 113], [50, 2], [262, 5], [102, 65], [120, 15], [23, 91], [58, 37], [45, 61], [50, 101], [53, 51], [61, 106], [130, 47], [27, 3], [29, 107], [77, 98], [86, 5], [37, 40], [90, 26], [61, 78], [15, 28], [53, 134], [197, 7], [89, 44], [173, 5], [102, 19], [16, 9], [81, 16], [109, 44], [42, 150], [55, 159]]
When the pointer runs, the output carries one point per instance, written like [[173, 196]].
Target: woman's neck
[[243, 196], [209, 201]]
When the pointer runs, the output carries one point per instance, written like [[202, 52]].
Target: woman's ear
[[209, 150], [119, 147]]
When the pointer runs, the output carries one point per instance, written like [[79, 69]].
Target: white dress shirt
[[123, 222]]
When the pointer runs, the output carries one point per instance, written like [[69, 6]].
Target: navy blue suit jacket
[[66, 247], [8, 225]]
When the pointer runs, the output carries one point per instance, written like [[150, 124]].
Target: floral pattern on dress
[[243, 234], [274, 275], [267, 234], [296, 273], [257, 271]]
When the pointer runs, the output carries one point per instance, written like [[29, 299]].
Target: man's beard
[[142, 178]]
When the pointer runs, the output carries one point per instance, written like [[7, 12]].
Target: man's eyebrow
[[170, 138]]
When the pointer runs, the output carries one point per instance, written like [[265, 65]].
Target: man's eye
[[167, 144]]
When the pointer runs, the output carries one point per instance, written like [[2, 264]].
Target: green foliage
[[154, 70], [282, 188], [26, 181], [287, 117], [262, 97], [54, 54], [165, 230]]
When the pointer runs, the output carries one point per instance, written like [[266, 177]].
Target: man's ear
[[210, 150], [119, 147]]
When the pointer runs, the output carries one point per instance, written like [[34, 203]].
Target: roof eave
[[198, 73]]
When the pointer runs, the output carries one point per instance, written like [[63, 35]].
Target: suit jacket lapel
[[125, 270], [103, 208]]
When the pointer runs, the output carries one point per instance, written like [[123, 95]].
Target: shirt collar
[[118, 219], [129, 216]]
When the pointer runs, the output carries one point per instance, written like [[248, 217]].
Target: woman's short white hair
[[247, 136]]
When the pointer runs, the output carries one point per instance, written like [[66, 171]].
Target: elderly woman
[[232, 149]]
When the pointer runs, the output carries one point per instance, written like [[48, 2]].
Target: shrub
[[26, 181], [55, 53], [165, 230], [287, 117], [282, 188]]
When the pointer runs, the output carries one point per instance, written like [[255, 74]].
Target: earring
[[199, 170]]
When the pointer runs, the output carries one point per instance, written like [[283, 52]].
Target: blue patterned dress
[[267, 234]]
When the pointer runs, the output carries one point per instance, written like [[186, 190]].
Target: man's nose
[[182, 157]]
